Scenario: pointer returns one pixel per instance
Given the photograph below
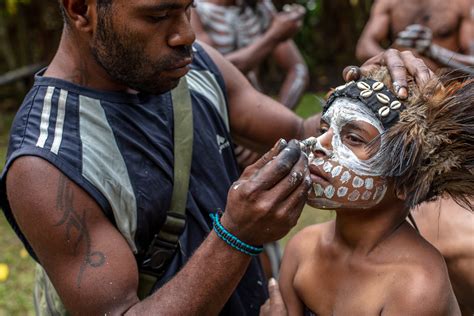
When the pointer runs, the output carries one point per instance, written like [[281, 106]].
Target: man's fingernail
[[272, 282], [403, 93], [280, 144]]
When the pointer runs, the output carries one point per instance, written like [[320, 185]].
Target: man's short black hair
[[101, 6]]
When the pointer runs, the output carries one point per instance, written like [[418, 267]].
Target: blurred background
[[29, 33]]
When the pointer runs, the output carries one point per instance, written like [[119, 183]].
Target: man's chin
[[157, 90]]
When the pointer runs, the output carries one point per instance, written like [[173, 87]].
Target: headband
[[374, 95]]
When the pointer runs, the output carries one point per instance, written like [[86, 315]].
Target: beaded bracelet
[[232, 240]]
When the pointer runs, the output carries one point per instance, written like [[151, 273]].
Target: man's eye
[[158, 18]]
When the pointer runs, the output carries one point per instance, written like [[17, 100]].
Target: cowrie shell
[[377, 86], [395, 105], [363, 86], [341, 87], [384, 111], [383, 98], [366, 93]]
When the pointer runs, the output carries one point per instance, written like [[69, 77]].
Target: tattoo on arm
[[75, 220]]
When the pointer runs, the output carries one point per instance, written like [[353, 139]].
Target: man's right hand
[[287, 23], [266, 202]]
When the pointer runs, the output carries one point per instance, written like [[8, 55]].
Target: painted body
[[451, 24]]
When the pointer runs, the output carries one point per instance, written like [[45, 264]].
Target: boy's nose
[[323, 146]]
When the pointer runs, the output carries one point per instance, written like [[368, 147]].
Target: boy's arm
[[289, 267]]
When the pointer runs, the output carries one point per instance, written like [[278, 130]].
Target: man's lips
[[317, 175], [183, 63]]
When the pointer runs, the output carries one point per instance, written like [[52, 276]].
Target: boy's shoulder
[[422, 284], [308, 239]]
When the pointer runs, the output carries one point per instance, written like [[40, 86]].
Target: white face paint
[[341, 112], [352, 183]]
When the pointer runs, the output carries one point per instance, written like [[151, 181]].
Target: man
[[451, 25], [450, 228], [252, 32], [89, 172], [420, 37]]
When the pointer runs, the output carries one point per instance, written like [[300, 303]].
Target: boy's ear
[[401, 194], [80, 13]]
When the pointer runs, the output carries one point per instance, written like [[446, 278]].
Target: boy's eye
[[354, 140]]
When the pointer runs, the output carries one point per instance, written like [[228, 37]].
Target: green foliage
[[11, 6]]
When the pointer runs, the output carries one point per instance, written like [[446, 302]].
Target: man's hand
[[274, 306], [266, 202], [416, 36], [399, 65], [287, 23]]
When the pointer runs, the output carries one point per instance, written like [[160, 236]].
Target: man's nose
[[184, 34], [323, 146]]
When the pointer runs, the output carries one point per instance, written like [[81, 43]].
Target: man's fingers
[[398, 70], [276, 301], [417, 68], [265, 159], [265, 309], [351, 73], [279, 167]]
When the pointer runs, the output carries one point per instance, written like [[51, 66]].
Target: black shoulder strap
[[166, 242]]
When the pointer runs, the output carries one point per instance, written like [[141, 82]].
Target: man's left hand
[[399, 64]]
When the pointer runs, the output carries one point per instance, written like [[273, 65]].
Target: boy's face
[[341, 164]]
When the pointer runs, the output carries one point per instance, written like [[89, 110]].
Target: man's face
[[340, 163], [145, 44]]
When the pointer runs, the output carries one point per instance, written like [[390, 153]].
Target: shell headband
[[375, 95]]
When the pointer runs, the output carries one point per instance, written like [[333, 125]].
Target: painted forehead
[[374, 95], [344, 110]]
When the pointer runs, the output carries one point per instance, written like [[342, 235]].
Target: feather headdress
[[430, 150]]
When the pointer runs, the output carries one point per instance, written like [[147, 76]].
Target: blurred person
[[249, 32], [450, 228], [450, 24], [378, 157]]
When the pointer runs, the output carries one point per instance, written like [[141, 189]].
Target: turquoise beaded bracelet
[[232, 240]]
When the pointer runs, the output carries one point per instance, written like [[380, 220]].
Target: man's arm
[[284, 26], [93, 268], [289, 59], [257, 120], [466, 30], [376, 30]]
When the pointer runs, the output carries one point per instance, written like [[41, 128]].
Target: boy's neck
[[364, 230]]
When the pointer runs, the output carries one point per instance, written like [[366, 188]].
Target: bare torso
[[442, 17], [450, 228], [333, 281]]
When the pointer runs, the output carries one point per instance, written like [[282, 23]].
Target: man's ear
[[80, 13]]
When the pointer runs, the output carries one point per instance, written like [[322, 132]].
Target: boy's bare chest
[[341, 289]]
